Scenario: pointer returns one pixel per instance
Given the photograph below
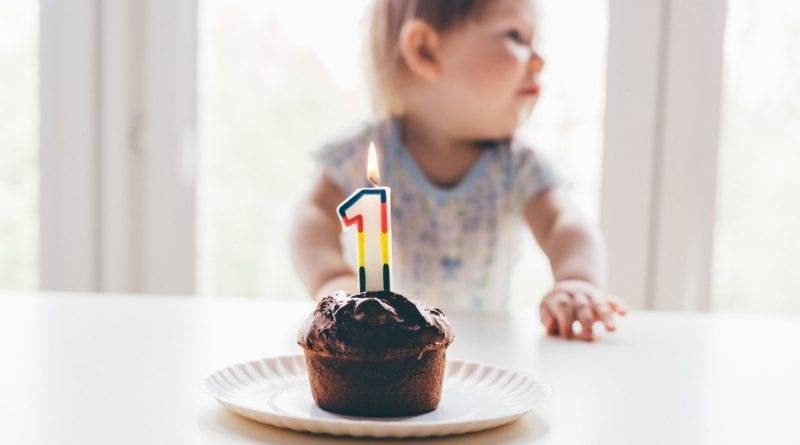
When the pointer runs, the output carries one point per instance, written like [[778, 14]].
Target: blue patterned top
[[451, 247]]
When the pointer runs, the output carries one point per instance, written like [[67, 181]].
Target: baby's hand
[[578, 300]]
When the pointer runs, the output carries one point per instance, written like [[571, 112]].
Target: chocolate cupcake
[[375, 354]]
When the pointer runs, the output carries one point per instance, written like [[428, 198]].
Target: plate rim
[[394, 425]]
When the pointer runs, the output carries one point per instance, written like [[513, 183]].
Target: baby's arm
[[578, 260], [316, 250]]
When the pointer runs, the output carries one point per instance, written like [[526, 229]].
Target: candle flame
[[373, 174]]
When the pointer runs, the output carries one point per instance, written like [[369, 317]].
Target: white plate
[[474, 397]]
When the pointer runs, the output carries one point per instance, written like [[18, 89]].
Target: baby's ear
[[419, 45]]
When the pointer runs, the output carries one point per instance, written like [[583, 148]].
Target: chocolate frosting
[[374, 326]]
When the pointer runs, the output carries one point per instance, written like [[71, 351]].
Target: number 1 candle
[[369, 210]]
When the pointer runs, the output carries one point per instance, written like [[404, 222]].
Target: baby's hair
[[388, 18]]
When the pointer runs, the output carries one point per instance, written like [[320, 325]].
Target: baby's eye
[[516, 36]]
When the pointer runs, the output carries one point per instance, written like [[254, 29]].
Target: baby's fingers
[[560, 306], [617, 306], [585, 315], [605, 314]]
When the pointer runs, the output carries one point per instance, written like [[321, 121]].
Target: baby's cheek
[[508, 68], [497, 75]]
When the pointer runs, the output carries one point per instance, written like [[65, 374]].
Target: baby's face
[[490, 71]]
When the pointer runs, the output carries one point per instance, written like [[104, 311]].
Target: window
[[19, 173], [275, 82], [757, 242]]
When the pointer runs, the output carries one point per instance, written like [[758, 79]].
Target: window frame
[[118, 175], [660, 150]]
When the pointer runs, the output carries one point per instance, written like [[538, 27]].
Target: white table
[[101, 369]]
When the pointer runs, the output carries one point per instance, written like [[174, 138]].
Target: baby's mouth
[[531, 89]]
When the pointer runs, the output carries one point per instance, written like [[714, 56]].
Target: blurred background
[[160, 147]]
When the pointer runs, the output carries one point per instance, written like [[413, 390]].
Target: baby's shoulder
[[531, 174]]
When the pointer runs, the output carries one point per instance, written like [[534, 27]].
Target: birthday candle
[[369, 210]]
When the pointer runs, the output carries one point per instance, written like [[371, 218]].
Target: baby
[[452, 82]]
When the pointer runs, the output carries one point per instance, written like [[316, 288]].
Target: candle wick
[[373, 181]]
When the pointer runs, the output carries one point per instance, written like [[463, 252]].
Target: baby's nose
[[535, 63]]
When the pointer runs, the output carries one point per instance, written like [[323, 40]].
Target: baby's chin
[[500, 132], [509, 127], [506, 126], [501, 126]]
